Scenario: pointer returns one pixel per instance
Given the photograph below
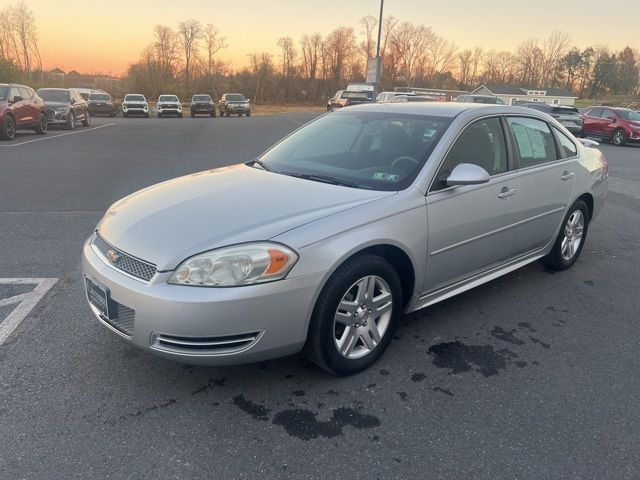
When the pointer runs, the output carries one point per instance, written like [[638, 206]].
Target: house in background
[[511, 95], [57, 74]]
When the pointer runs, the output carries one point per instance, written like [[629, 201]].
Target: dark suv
[[101, 104], [65, 106], [344, 98], [232, 103], [618, 125], [569, 117], [202, 103], [20, 107]]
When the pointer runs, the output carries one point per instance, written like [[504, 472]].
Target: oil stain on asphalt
[[303, 424], [459, 358]]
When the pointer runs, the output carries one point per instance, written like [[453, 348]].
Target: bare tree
[[189, 31], [340, 45], [166, 48], [368, 45], [289, 54], [213, 43], [554, 48]]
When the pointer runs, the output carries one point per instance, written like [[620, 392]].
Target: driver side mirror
[[611, 118], [17, 98], [468, 174]]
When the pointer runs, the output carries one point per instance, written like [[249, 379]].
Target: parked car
[[234, 103], [322, 242], [345, 98], [135, 104], [617, 125], [65, 107], [102, 104], [411, 98], [169, 105], [202, 103], [487, 99], [85, 92], [570, 117], [20, 108], [384, 97]]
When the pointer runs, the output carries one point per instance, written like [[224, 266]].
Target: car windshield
[[236, 97], [372, 150], [101, 97], [629, 115], [134, 98], [168, 98], [355, 95], [54, 95], [201, 98], [4, 92], [488, 100], [566, 110]]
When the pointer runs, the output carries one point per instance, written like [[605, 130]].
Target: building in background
[[514, 95], [439, 94]]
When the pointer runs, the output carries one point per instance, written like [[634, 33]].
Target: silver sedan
[[321, 243]]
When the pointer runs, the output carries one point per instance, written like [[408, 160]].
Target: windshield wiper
[[322, 178], [262, 164]]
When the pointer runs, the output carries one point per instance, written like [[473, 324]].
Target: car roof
[[440, 109], [59, 89]]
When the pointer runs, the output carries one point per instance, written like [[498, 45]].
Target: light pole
[[379, 29]]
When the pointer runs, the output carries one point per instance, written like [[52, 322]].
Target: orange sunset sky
[[106, 36]]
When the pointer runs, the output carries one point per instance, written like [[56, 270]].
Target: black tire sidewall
[[321, 333], [5, 131], [555, 259]]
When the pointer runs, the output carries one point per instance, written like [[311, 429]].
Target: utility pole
[[374, 65], [379, 29]]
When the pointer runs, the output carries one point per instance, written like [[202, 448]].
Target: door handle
[[507, 192], [567, 175]]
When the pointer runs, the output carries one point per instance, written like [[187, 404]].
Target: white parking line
[[26, 301], [51, 137]]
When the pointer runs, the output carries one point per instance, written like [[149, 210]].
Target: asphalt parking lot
[[531, 376]]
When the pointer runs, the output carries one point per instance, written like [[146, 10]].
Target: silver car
[[321, 243]]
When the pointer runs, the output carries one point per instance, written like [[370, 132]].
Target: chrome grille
[[50, 112], [124, 318], [123, 261], [205, 345]]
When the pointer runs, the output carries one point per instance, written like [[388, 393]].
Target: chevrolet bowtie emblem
[[112, 256]]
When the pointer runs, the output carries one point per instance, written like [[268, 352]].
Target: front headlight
[[245, 264], [124, 107]]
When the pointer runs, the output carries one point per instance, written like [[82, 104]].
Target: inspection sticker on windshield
[[387, 177]]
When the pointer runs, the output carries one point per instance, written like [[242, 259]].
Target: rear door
[[469, 226], [592, 121], [546, 175], [608, 122]]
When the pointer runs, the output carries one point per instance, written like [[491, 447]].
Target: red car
[[20, 107], [618, 125]]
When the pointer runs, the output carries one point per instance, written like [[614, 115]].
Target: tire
[[249, 114], [71, 121], [618, 138], [42, 127], [345, 286], [87, 120], [227, 114], [8, 131], [179, 115], [159, 115], [213, 114], [574, 227], [146, 115]]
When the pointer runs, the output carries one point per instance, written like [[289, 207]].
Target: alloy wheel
[[573, 231], [618, 137], [10, 127], [362, 317]]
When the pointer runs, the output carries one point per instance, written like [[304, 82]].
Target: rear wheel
[[41, 129], [618, 138], [568, 245], [248, 114], [8, 131], [87, 120], [227, 114], [355, 315]]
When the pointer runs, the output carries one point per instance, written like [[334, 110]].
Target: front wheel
[[8, 131], [618, 138], [573, 233], [355, 316], [248, 114], [42, 127], [71, 121]]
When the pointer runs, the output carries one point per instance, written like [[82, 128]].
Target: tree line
[[185, 59]]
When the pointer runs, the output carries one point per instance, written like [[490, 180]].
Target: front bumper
[[275, 315], [135, 110], [238, 109], [634, 136]]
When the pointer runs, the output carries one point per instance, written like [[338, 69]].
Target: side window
[[567, 147], [482, 143], [608, 113], [14, 93], [24, 93], [595, 112], [534, 141]]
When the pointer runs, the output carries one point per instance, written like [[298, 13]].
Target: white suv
[[169, 105], [135, 104]]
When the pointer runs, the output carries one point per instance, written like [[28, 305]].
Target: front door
[[469, 226]]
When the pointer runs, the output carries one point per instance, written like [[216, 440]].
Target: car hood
[[169, 222]]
